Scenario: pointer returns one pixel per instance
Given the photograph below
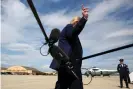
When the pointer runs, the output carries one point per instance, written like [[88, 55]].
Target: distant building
[[3, 69], [50, 73], [21, 70]]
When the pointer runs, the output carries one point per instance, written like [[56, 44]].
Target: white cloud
[[9, 33], [128, 32], [30, 53], [15, 16], [104, 8], [98, 38], [19, 47], [56, 19], [24, 54]]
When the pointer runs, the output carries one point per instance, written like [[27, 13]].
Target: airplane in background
[[94, 71]]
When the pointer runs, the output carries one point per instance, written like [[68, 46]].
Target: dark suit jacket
[[69, 42], [122, 70]]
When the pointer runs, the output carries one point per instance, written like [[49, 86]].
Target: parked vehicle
[[94, 71]]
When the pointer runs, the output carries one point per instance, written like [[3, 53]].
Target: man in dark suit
[[69, 42], [123, 71]]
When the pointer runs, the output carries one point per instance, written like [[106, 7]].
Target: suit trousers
[[123, 76], [67, 81]]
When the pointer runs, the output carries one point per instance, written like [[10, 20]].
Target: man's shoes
[[127, 87], [121, 87]]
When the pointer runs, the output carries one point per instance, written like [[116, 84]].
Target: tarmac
[[48, 82]]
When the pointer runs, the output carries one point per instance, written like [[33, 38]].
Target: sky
[[110, 25]]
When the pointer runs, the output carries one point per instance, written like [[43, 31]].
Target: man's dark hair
[[121, 60]]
